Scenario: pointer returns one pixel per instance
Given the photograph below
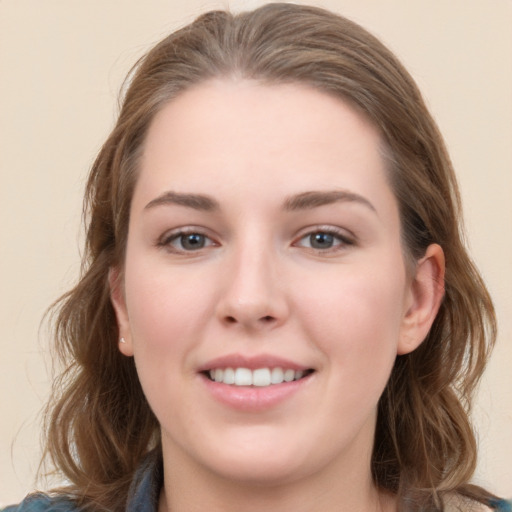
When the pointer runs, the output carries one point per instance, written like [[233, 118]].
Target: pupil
[[192, 241], [321, 240]]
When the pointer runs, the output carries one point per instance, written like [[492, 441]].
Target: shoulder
[[457, 503], [42, 503], [501, 505]]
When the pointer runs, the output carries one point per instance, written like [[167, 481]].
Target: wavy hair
[[99, 424]]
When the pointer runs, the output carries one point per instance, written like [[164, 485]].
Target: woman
[[276, 307]]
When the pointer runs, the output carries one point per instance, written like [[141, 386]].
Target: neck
[[195, 489]]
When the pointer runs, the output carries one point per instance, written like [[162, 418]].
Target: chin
[[260, 464], [262, 473]]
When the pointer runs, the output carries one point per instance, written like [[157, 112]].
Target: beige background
[[61, 65]]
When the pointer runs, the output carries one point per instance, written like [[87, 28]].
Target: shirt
[[143, 495]]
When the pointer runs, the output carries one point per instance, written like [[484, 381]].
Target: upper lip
[[252, 362]]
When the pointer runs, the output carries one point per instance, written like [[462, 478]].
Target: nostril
[[267, 319]]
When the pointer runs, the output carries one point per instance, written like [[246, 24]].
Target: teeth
[[277, 376], [289, 375], [260, 377], [229, 376], [243, 377]]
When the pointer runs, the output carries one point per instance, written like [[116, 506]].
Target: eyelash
[[340, 237], [340, 240], [168, 238]]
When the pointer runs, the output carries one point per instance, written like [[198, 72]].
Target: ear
[[425, 294], [117, 297]]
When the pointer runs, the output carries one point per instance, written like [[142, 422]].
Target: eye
[[191, 241], [186, 241], [324, 240], [321, 240]]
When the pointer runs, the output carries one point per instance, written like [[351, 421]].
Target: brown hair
[[100, 425]]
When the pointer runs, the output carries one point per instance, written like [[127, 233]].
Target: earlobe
[[117, 297], [426, 295]]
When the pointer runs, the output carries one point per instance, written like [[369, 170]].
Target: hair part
[[99, 423]]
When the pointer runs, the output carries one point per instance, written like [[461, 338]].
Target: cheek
[[167, 316], [356, 320], [165, 309]]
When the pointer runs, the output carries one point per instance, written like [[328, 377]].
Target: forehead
[[242, 107], [228, 135]]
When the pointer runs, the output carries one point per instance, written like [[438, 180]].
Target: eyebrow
[[303, 201], [314, 199], [195, 201]]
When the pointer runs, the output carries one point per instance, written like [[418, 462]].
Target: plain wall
[[61, 65]]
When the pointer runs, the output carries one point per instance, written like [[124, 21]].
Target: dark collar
[[144, 492], [146, 485]]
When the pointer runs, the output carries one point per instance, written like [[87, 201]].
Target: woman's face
[[263, 246]]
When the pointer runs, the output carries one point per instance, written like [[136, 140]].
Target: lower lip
[[254, 398]]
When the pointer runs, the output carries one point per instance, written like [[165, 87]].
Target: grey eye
[[191, 241], [325, 240], [185, 241], [321, 240]]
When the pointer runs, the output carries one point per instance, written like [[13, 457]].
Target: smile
[[260, 377]]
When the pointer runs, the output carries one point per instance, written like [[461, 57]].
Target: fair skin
[[264, 234]]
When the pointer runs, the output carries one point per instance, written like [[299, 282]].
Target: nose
[[253, 297]]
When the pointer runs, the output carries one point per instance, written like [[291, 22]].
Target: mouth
[[259, 377]]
